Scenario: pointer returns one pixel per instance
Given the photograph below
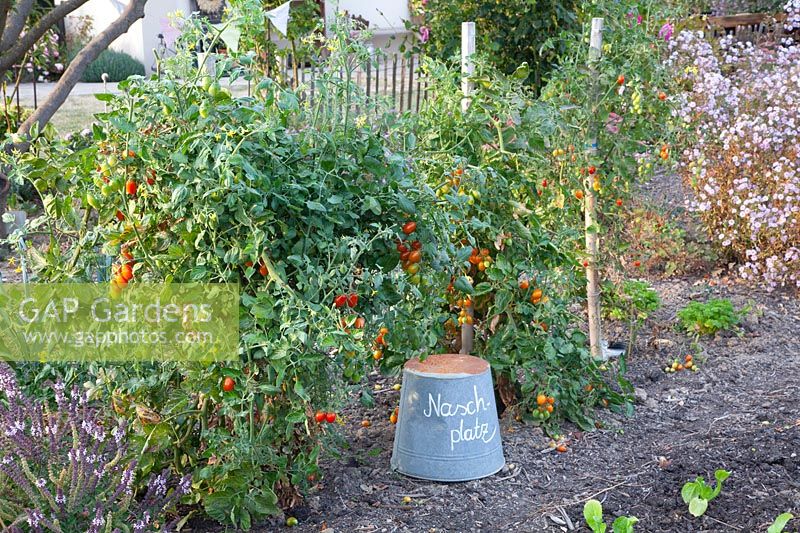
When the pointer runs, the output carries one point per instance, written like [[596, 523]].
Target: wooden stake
[[590, 205], [467, 69], [467, 65]]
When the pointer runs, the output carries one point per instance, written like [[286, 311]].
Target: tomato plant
[[300, 206]]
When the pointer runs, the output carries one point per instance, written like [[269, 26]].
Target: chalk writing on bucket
[[473, 408]]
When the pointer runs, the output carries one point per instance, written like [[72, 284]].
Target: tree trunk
[[133, 12], [19, 46]]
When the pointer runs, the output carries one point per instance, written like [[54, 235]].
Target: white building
[[386, 19]]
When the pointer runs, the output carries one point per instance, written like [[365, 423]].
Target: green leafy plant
[[511, 32], [631, 301], [697, 493], [710, 317], [780, 523], [301, 206], [593, 514], [118, 65]]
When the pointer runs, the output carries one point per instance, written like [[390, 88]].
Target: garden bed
[[738, 412]]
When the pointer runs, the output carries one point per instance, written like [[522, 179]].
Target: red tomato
[[228, 384], [409, 227], [131, 188], [352, 300], [120, 216], [126, 272], [319, 417], [340, 301], [416, 245], [330, 418]]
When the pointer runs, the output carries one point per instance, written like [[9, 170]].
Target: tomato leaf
[[462, 284]]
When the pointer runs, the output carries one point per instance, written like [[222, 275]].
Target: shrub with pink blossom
[[741, 112]]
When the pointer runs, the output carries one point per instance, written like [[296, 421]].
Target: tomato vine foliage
[[295, 202], [357, 237]]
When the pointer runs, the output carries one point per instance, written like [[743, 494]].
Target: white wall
[[384, 16], [142, 37]]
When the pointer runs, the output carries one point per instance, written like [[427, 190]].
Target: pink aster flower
[[424, 34]]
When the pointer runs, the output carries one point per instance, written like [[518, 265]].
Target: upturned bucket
[[447, 427]]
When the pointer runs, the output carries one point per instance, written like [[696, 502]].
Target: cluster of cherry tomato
[[558, 443], [544, 406], [394, 415], [379, 344], [123, 273], [464, 316], [410, 252], [560, 152], [349, 300], [480, 259], [453, 182], [262, 267], [322, 416], [676, 366]]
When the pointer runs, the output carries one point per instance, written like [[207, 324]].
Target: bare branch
[[133, 12], [5, 7], [12, 27], [21, 46]]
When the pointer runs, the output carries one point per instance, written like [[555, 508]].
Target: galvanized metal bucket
[[447, 427]]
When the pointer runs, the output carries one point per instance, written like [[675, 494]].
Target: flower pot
[[447, 427]]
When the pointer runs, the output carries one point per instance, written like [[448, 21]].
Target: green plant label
[[97, 322]]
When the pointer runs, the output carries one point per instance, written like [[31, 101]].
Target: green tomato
[[93, 201], [416, 279], [291, 521], [206, 83], [106, 190], [112, 161], [204, 111], [213, 89]]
